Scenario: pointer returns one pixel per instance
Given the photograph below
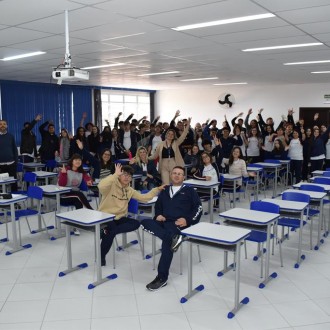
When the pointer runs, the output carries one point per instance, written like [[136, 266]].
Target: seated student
[[193, 158], [237, 166], [116, 193], [208, 170], [147, 168], [177, 207], [107, 167], [74, 176]]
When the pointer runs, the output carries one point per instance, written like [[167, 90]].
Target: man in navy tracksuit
[[177, 207]]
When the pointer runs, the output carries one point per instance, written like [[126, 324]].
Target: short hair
[[128, 169], [179, 167], [49, 125], [205, 142], [126, 122]]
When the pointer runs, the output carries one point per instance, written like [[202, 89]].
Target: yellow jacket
[[115, 197]]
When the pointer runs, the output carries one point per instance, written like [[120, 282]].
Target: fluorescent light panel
[[223, 21], [157, 73], [321, 72], [196, 79], [308, 62], [102, 66], [16, 57], [228, 84], [282, 47], [125, 36]]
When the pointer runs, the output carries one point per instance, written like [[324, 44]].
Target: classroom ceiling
[[139, 34]]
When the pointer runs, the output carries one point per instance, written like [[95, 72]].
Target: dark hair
[[109, 162], [49, 125], [281, 148], [87, 124], [126, 122], [67, 134], [70, 162], [208, 155], [205, 142], [231, 158], [128, 169]]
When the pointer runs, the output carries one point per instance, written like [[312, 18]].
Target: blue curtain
[[64, 105]]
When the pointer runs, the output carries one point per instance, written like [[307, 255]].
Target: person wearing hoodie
[[116, 193]]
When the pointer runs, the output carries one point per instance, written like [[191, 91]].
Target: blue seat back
[[326, 174], [19, 167], [295, 197], [35, 192], [133, 206], [322, 180], [51, 164], [273, 161], [310, 187], [30, 177], [265, 207]]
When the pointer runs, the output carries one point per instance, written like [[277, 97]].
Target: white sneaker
[[76, 231]]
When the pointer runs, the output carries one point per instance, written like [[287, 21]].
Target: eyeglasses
[[179, 174], [126, 175]]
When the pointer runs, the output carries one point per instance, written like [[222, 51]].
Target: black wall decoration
[[226, 100]]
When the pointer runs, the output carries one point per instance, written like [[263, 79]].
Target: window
[[127, 102]]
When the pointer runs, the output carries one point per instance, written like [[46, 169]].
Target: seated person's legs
[[123, 225]]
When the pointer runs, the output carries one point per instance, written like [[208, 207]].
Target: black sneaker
[[156, 284], [176, 242]]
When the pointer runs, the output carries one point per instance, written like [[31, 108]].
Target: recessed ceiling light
[[308, 62], [282, 47], [157, 73], [321, 72], [16, 57], [196, 79], [125, 36], [223, 21], [227, 84], [102, 66]]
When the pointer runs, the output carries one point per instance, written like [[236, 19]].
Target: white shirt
[[327, 149], [155, 141], [295, 150], [209, 170], [127, 140], [253, 147], [174, 190]]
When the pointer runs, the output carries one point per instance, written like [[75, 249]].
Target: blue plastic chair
[[313, 211], [289, 221], [321, 180], [34, 193], [260, 237]]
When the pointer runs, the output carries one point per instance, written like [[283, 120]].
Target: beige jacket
[[115, 197], [175, 146]]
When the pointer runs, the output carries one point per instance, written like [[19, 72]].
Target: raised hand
[[250, 111], [118, 169], [79, 144], [177, 113], [38, 117]]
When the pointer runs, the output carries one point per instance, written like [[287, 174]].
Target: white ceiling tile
[[282, 5]]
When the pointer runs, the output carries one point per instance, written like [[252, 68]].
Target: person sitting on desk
[[116, 194], [147, 168], [177, 207]]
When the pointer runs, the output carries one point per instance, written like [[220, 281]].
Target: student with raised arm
[[116, 193]]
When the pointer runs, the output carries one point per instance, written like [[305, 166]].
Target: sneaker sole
[[164, 284]]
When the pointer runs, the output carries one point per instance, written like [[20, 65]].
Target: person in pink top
[[74, 176]]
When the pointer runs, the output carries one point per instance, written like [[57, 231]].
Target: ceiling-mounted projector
[[65, 71], [71, 74]]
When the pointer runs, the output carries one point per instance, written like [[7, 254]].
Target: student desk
[[294, 208], [45, 175], [11, 202], [275, 167], [205, 185], [255, 218], [51, 190], [6, 182], [317, 197], [326, 188], [86, 219], [33, 166], [234, 179], [256, 170], [222, 237]]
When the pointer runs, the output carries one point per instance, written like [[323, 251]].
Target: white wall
[[201, 104]]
